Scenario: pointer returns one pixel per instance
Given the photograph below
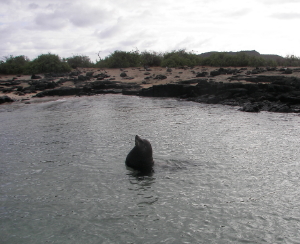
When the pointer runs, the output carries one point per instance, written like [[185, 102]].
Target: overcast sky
[[87, 27]]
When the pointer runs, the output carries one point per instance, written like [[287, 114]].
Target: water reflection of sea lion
[[140, 157]]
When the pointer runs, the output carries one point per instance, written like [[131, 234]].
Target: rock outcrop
[[279, 95], [5, 99], [253, 93]]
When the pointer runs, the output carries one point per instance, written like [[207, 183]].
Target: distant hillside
[[248, 52]]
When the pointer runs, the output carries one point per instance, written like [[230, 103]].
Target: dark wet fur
[[140, 157]]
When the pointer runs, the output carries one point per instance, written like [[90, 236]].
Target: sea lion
[[140, 157]]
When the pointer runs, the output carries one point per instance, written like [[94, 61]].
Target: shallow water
[[221, 175]]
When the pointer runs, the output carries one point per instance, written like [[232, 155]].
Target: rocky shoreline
[[251, 90]]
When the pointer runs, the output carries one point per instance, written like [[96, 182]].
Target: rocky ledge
[[250, 93], [274, 94]]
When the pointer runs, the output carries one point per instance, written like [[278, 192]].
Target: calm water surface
[[221, 176]]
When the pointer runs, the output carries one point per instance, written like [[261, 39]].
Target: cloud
[[129, 43], [286, 16], [5, 1], [87, 16], [280, 1], [58, 15], [32, 27], [51, 21], [108, 32], [33, 6], [240, 13]]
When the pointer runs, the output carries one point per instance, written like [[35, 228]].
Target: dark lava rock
[[74, 73], [5, 99], [251, 107], [83, 78], [277, 95], [55, 75], [132, 91], [202, 74], [89, 74], [105, 84], [215, 73], [35, 77], [7, 90], [169, 90], [41, 85], [101, 76], [123, 74], [160, 77], [288, 71]]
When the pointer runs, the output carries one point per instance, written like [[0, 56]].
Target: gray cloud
[[108, 32], [5, 1], [59, 15], [129, 43], [32, 27], [50, 21], [33, 6], [87, 16]]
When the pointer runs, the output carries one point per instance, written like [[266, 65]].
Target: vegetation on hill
[[79, 61], [46, 63], [14, 65], [120, 59]]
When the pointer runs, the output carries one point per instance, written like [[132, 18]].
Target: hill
[[274, 57]]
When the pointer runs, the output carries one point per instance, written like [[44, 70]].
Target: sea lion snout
[[137, 140]]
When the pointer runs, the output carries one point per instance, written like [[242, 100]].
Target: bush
[[219, 59], [80, 61], [46, 63], [180, 58], [292, 60], [240, 59], [120, 59], [151, 59], [14, 65]]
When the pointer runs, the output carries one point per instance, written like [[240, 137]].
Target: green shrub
[[240, 59], [80, 61], [151, 58], [292, 60], [180, 58], [120, 59], [46, 63], [219, 59], [14, 65]]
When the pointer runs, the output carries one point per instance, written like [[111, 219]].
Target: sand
[[138, 75]]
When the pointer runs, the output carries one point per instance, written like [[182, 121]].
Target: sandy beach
[[141, 76]]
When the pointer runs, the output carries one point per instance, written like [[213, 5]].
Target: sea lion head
[[143, 145]]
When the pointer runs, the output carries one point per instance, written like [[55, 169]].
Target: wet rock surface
[[279, 95], [251, 89]]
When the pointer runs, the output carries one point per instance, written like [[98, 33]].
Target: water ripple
[[220, 175]]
